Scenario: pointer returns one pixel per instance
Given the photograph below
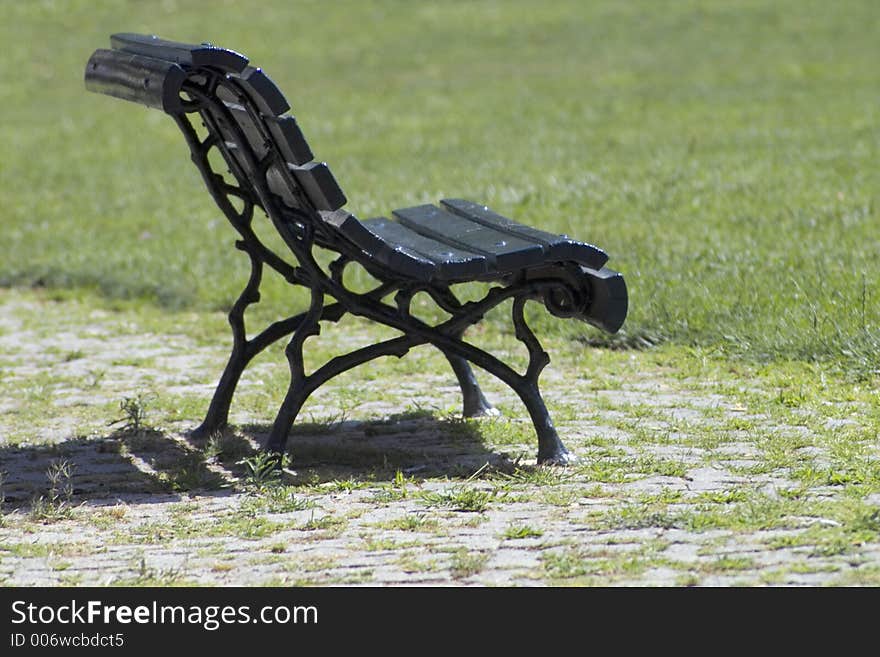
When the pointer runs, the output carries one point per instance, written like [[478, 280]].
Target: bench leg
[[301, 386], [474, 401], [218, 412], [290, 407], [244, 351], [551, 450]]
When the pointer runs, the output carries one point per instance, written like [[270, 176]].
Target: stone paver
[[136, 515]]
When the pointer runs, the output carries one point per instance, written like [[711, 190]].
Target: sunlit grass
[[723, 153]]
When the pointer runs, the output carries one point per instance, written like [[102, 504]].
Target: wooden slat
[[280, 184], [450, 263], [557, 248], [506, 252], [286, 133], [265, 93], [319, 185], [254, 135], [457, 246], [290, 139], [184, 54], [404, 261], [314, 178]]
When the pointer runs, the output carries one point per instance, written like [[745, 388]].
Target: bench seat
[[459, 241]]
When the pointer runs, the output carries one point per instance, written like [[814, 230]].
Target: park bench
[[423, 249]]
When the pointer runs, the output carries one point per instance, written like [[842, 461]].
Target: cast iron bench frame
[[428, 249]]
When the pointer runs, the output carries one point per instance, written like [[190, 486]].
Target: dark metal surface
[[427, 250], [263, 92], [151, 82], [185, 54]]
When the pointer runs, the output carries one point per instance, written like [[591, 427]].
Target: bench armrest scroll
[[151, 82], [608, 299]]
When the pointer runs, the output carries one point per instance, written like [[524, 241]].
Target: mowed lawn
[[723, 152]]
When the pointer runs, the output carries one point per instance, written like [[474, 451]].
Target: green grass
[[722, 152], [412, 523], [518, 531], [275, 499], [573, 566], [464, 564], [144, 575], [461, 498]]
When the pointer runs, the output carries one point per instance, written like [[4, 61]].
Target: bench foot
[[551, 450], [562, 457], [205, 430]]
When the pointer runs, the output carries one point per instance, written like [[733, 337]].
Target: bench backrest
[[241, 107]]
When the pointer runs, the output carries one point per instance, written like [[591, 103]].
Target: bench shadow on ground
[[416, 443], [150, 466], [141, 467]]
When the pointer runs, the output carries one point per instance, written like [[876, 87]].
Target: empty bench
[[422, 249]]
